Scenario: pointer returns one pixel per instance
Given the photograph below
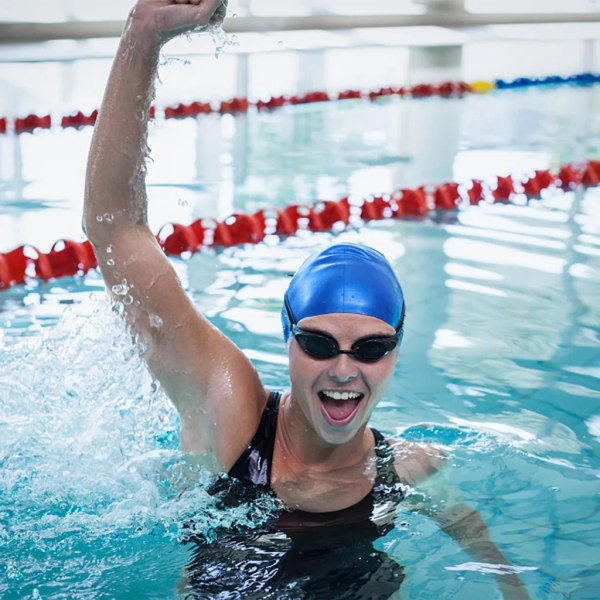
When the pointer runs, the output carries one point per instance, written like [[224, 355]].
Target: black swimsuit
[[254, 465], [297, 554]]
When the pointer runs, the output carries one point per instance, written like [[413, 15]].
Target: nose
[[343, 368]]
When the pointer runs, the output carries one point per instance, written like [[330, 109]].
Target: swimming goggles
[[322, 346]]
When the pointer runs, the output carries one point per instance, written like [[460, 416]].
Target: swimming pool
[[499, 363]]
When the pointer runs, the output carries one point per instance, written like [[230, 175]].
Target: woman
[[311, 447]]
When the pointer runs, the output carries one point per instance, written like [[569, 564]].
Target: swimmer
[[343, 320]]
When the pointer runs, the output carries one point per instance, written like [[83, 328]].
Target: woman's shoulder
[[416, 462]]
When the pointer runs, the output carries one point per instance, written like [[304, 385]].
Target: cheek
[[384, 373]]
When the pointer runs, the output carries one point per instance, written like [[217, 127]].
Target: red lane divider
[[272, 103], [447, 89], [182, 111], [241, 105], [233, 106], [79, 120], [68, 258], [505, 188], [30, 123], [447, 196]]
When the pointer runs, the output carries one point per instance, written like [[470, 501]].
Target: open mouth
[[339, 407]]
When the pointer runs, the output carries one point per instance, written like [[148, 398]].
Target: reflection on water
[[507, 382], [277, 568], [304, 153], [499, 361], [296, 559]]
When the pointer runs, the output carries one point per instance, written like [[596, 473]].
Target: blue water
[[500, 362]]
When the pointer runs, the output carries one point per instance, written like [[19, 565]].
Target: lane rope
[[236, 106], [71, 258]]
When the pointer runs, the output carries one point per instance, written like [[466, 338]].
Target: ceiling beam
[[19, 33]]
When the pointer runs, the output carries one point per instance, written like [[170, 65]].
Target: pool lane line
[[241, 105], [70, 258]]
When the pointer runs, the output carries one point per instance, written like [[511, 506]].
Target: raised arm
[[213, 385]]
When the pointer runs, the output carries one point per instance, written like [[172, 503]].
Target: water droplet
[[109, 249], [120, 289], [110, 262], [221, 40], [155, 321], [128, 300], [108, 217], [99, 218]]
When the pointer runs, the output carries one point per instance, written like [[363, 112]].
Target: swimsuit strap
[[387, 481], [254, 464]]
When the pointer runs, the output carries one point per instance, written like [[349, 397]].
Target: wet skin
[[310, 377], [320, 464]]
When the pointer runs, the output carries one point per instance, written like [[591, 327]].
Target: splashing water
[[221, 39], [89, 459]]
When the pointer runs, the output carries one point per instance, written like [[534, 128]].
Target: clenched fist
[[168, 18]]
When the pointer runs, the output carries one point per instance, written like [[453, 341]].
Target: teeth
[[341, 395]]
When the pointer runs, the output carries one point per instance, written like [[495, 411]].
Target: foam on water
[[89, 453]]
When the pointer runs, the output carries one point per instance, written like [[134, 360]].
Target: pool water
[[500, 362]]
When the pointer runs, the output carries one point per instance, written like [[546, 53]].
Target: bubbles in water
[[11, 571], [110, 262], [99, 218], [118, 308], [90, 460], [109, 249]]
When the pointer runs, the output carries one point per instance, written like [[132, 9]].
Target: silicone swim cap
[[345, 278]]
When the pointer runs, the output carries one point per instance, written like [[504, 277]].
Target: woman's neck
[[300, 447]]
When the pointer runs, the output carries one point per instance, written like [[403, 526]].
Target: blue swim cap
[[345, 278]]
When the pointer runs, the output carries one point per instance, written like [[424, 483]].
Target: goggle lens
[[321, 346]]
